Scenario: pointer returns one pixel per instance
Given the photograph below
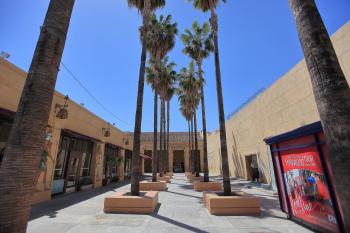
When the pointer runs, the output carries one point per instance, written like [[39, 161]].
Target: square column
[[187, 159], [171, 160]]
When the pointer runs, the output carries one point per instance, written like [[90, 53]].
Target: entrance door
[[72, 177], [178, 161]]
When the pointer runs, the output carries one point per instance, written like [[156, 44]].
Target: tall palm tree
[[188, 92], [332, 94], [161, 40], [167, 81], [210, 5], [198, 46], [151, 78], [20, 166], [145, 7]]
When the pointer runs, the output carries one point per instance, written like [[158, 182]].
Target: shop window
[[61, 159]]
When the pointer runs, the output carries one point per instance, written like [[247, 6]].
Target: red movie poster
[[307, 188]]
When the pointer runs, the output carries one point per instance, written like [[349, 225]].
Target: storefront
[[73, 163], [111, 162], [300, 161]]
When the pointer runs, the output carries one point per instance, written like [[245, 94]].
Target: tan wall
[[288, 104], [79, 120]]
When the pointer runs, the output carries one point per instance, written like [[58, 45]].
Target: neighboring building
[[179, 151], [83, 151], [286, 105]]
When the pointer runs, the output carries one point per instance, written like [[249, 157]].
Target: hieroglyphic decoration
[[178, 137]]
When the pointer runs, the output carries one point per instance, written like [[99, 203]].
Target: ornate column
[[97, 164], [121, 152]]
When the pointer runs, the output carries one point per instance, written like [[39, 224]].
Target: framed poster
[[307, 188]]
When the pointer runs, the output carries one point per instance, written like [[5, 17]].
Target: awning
[[76, 135]]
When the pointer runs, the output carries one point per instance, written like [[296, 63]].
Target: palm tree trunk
[[193, 163], [168, 127], [20, 165], [161, 140], [164, 138], [189, 143], [165, 141], [204, 121], [135, 161], [223, 142], [197, 161], [155, 137], [332, 95]]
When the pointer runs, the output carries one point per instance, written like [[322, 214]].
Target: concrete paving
[[181, 210]]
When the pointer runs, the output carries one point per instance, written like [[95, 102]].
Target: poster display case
[[303, 177]]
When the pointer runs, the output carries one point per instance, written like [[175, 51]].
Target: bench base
[[153, 186], [240, 205], [123, 203], [200, 186]]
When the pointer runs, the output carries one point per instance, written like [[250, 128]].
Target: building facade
[[81, 149], [286, 105]]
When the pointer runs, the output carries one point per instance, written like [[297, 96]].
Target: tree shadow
[[182, 194], [179, 224], [50, 208]]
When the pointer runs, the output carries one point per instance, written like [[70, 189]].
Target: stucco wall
[[287, 104]]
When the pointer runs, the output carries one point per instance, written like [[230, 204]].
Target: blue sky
[[257, 39]]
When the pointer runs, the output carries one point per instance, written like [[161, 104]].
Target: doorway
[[252, 169], [178, 161], [148, 162]]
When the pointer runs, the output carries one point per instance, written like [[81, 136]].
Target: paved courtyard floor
[[181, 210]]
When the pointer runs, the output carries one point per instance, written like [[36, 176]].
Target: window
[[61, 158]]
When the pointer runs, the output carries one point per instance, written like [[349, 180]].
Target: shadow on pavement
[[50, 208], [179, 224]]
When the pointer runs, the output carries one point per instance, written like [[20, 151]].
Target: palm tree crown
[[140, 4], [205, 5], [199, 44]]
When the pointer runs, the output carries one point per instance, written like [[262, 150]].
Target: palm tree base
[[124, 203], [153, 186], [200, 186], [238, 204]]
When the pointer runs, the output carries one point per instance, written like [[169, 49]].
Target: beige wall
[[288, 104]]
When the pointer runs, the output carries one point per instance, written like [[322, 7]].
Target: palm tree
[[198, 46], [145, 7], [188, 92], [20, 166], [151, 79], [210, 5], [332, 95], [167, 81], [161, 39]]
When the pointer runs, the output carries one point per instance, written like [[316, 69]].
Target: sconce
[[62, 112], [126, 140], [106, 131]]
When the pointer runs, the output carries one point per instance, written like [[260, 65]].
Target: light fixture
[[62, 112], [4, 55], [106, 131]]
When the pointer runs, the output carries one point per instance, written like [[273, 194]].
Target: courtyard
[[180, 210]]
